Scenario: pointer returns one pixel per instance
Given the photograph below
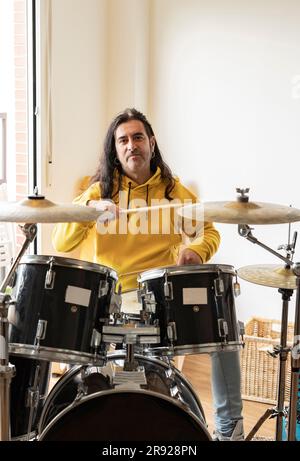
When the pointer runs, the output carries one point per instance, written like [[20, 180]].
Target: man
[[132, 173]]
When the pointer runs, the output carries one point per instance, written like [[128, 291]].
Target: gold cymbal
[[41, 210], [270, 275], [240, 212]]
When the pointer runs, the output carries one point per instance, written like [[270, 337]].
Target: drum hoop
[[52, 354], [68, 262], [122, 391], [186, 269]]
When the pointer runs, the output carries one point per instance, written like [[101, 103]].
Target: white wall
[[78, 95], [226, 111], [219, 81]]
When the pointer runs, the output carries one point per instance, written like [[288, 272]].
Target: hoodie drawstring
[[128, 198]]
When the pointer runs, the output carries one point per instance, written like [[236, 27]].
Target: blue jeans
[[226, 390]]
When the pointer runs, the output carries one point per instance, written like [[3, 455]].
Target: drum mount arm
[[245, 231], [7, 370]]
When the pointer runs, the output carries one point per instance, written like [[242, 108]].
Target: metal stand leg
[[6, 371], [283, 355], [295, 363], [282, 350]]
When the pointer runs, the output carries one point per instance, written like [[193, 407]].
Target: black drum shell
[[197, 327], [69, 326]]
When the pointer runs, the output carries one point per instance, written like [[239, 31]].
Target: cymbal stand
[[245, 231], [7, 370], [295, 366]]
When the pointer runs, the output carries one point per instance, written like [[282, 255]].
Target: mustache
[[134, 153]]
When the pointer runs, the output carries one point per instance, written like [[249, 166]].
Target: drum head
[[125, 415]]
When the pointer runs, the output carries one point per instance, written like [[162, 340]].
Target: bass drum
[[165, 408]]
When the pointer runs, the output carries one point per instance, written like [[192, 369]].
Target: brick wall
[[21, 137]]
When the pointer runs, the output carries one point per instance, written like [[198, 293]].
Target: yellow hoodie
[[138, 241]]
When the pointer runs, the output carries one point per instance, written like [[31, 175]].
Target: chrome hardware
[[82, 388], [140, 294], [223, 328], [40, 331], [115, 303], [149, 300], [243, 197], [170, 374], [103, 288], [96, 339], [241, 331], [171, 331], [236, 287], [241, 328], [219, 286], [174, 391], [32, 398], [168, 290], [50, 276]]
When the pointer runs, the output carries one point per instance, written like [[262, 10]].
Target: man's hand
[[107, 208], [188, 256]]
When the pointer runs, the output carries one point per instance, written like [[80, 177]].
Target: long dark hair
[[109, 162]]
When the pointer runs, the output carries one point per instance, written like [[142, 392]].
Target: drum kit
[[55, 309]]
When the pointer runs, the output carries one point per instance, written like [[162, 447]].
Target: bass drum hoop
[[123, 391]]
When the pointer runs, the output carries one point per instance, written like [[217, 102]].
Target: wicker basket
[[259, 368]]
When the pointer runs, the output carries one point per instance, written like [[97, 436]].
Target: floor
[[197, 369]]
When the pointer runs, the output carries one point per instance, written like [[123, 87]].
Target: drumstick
[[149, 208]]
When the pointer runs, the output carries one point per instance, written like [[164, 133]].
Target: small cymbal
[[32, 210], [240, 212], [270, 275]]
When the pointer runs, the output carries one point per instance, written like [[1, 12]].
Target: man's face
[[134, 149]]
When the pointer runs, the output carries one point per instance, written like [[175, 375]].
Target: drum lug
[[49, 279], [50, 276], [168, 291], [223, 328], [103, 288], [172, 332], [33, 397], [241, 330], [174, 391], [236, 287], [219, 286], [96, 339], [40, 331], [149, 300]]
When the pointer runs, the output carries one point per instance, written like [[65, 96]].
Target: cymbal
[[240, 212], [41, 210], [270, 275]]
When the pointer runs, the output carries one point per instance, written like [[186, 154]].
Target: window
[[16, 79]]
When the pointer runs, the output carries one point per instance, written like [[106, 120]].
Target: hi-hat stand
[[282, 350], [7, 370]]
